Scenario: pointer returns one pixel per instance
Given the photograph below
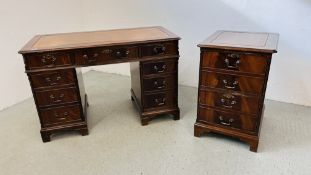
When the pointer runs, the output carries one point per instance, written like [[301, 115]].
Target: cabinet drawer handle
[[90, 60], [160, 102], [57, 100], [233, 61], [228, 101], [122, 53], [48, 60], [221, 121], [160, 49], [156, 84], [49, 80], [229, 85], [159, 70]]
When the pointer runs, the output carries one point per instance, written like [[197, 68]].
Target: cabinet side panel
[[81, 87], [135, 81]]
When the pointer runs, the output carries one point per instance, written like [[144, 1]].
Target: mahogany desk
[[53, 63]]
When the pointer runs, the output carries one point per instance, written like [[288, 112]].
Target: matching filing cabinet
[[234, 69]]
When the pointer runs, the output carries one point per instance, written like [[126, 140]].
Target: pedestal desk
[[53, 63], [234, 69]]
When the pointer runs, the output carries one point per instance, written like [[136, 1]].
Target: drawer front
[[159, 83], [47, 60], [159, 67], [103, 55], [246, 123], [55, 97], [160, 100], [159, 49], [52, 78], [229, 101], [232, 82], [240, 62], [60, 116]]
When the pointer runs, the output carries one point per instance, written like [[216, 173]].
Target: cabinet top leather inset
[[76, 40], [242, 41]]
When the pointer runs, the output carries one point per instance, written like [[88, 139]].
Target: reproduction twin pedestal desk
[[53, 64]]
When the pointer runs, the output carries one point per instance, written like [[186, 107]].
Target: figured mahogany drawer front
[[52, 78], [159, 49], [60, 116], [55, 97], [246, 123], [230, 101], [47, 60], [159, 67], [159, 83], [232, 82], [240, 62], [163, 99], [93, 56]]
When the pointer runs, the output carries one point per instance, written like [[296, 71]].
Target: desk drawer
[[52, 78], [159, 49], [93, 56], [60, 116], [229, 101], [56, 97], [232, 82], [159, 83], [47, 60], [235, 61], [246, 123], [160, 67], [160, 100]]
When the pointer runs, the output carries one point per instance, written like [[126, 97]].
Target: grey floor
[[118, 144]]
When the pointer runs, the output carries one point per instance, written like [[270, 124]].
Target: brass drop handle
[[122, 53], [230, 85], [223, 122], [160, 49], [57, 100], [91, 60], [52, 83], [160, 70], [160, 102], [156, 84], [48, 60], [233, 61], [228, 101], [65, 114]]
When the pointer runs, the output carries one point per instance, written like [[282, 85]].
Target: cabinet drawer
[[232, 82], [47, 60], [60, 116], [159, 67], [93, 56], [159, 49], [52, 78], [55, 97], [229, 101], [246, 123], [160, 100], [235, 61], [159, 83]]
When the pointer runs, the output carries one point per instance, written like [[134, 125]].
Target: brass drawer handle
[[228, 101], [122, 53], [160, 102], [160, 49], [50, 81], [91, 60], [65, 115], [159, 70], [232, 61], [156, 84], [57, 100], [48, 60], [230, 85], [223, 122]]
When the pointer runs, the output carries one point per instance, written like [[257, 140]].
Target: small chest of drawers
[[234, 69]]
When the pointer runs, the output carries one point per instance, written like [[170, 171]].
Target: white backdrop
[[192, 20]]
